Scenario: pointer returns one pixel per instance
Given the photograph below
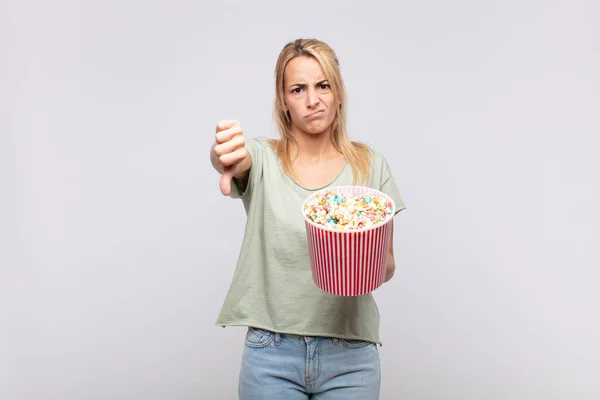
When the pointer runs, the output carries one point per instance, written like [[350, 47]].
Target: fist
[[229, 150]]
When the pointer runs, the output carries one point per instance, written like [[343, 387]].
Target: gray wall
[[115, 263]]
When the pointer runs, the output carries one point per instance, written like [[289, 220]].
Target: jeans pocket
[[257, 338], [354, 344]]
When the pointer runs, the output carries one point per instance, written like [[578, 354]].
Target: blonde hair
[[357, 154]]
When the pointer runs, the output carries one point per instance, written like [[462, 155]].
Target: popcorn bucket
[[349, 262]]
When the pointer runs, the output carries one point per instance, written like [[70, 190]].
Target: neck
[[315, 148]]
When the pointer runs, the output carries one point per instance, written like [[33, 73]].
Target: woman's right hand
[[229, 155]]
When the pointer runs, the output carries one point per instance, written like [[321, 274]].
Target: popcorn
[[347, 212]]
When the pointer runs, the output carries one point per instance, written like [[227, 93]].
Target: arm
[[391, 264]]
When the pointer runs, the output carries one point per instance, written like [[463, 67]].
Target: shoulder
[[376, 155], [376, 158], [256, 146], [380, 170], [259, 141]]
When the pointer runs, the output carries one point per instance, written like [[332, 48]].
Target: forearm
[[390, 268], [391, 263]]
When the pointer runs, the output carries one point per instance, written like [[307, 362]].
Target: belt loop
[[277, 338]]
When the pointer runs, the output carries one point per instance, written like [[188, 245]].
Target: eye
[[297, 90], [324, 86]]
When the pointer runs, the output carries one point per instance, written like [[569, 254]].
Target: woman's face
[[308, 96]]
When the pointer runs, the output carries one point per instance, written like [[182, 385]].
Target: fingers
[[229, 146], [234, 157], [226, 131], [226, 124], [225, 181]]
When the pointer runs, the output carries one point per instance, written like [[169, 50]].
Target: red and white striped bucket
[[349, 262]]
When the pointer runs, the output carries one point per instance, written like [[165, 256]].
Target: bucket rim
[[378, 193]]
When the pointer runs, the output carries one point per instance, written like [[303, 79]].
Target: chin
[[317, 129], [315, 132]]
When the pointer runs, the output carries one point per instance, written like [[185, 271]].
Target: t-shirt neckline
[[318, 188]]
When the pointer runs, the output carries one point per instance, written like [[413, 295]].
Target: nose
[[312, 100]]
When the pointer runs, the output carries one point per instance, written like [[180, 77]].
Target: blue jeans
[[288, 367]]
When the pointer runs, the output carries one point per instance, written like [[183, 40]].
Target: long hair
[[357, 154]]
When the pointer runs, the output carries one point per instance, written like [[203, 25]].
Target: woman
[[301, 342]]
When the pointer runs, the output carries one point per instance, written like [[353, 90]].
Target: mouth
[[314, 115]]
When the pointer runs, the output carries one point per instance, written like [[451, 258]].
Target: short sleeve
[[241, 190], [389, 187]]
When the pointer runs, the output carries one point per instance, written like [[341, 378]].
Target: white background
[[118, 248]]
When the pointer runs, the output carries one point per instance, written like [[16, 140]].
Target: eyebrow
[[304, 84]]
